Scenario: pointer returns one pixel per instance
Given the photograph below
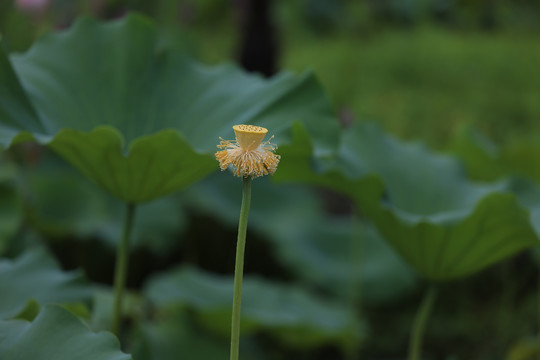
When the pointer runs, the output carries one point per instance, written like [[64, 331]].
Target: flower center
[[249, 137]]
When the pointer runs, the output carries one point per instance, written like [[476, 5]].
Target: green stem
[[417, 332], [121, 268], [239, 267], [354, 296], [538, 290]]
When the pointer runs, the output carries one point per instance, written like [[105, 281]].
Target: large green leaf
[[346, 258], [35, 275], [528, 193], [139, 120], [516, 160], [479, 155], [444, 225], [62, 203], [298, 164], [521, 157], [418, 182], [461, 244], [288, 313], [56, 334], [486, 161]]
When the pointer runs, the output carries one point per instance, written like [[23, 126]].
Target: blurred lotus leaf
[[103, 304], [528, 193], [286, 312], [63, 203], [346, 258], [171, 337], [46, 338], [139, 120], [442, 224], [521, 157], [35, 275], [479, 155], [486, 161]]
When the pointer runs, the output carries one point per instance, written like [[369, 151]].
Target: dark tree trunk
[[488, 19], [258, 39]]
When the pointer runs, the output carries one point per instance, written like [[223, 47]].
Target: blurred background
[[423, 68], [429, 70]]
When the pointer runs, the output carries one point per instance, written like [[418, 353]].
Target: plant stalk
[[354, 295], [420, 320], [120, 273], [239, 267]]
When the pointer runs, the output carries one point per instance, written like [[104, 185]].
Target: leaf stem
[[354, 295], [121, 267], [417, 331], [239, 267]]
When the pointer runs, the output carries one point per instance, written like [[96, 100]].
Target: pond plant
[[249, 158], [140, 120]]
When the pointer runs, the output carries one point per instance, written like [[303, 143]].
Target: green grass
[[427, 83]]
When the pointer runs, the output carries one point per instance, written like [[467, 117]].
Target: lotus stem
[[354, 295], [420, 320], [122, 257], [239, 267]]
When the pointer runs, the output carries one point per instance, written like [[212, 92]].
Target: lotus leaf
[[140, 120], [288, 313], [35, 275], [64, 204], [56, 334], [442, 224]]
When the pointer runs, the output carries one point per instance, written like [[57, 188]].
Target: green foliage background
[[342, 241]]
